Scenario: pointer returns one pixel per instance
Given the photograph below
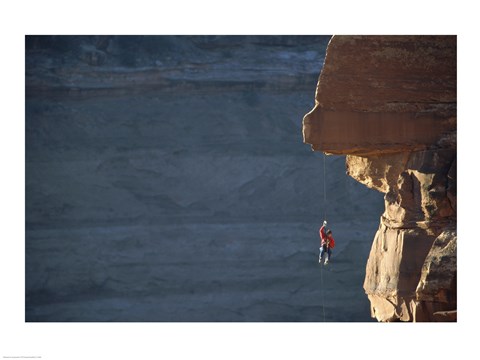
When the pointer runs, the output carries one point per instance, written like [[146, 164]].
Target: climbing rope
[[324, 188], [323, 291], [324, 218]]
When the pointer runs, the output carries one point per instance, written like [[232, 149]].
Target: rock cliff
[[389, 104]]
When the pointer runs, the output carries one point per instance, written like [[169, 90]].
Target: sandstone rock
[[411, 80], [389, 103], [445, 315], [438, 278]]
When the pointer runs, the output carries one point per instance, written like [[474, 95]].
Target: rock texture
[[389, 103]]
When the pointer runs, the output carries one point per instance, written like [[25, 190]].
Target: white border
[[221, 340]]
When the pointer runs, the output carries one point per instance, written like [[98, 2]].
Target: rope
[[324, 188], [323, 291], [324, 218]]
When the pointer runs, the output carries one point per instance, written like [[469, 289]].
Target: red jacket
[[323, 237]]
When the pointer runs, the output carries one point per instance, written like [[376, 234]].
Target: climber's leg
[[327, 257], [320, 255]]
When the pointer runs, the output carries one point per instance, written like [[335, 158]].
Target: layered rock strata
[[165, 182], [389, 103]]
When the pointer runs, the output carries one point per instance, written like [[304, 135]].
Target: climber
[[327, 243]]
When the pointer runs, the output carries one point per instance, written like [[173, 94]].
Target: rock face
[[389, 103]]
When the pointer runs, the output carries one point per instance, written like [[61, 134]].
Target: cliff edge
[[389, 104]]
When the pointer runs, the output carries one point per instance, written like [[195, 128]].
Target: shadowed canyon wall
[[389, 104], [167, 180]]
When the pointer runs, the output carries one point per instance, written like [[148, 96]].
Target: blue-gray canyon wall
[[167, 180]]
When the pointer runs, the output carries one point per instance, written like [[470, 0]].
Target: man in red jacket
[[327, 243]]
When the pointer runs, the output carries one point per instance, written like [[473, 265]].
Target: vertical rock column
[[416, 237], [389, 103]]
